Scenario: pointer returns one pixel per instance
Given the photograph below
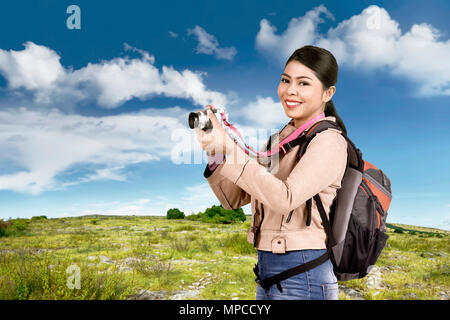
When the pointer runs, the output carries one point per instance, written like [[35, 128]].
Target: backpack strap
[[276, 279], [313, 131], [318, 127], [354, 158], [326, 222]]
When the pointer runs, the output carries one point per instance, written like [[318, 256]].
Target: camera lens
[[193, 120]]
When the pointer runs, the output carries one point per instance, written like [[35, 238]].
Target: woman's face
[[301, 93]]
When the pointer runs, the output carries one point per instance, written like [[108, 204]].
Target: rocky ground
[[373, 280]]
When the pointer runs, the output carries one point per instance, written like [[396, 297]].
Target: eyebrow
[[285, 74]]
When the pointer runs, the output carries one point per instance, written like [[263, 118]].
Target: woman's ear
[[328, 94]]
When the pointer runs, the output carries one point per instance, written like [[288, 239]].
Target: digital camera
[[201, 120]]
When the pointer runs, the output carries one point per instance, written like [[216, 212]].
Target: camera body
[[201, 120]]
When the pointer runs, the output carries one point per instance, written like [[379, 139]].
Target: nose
[[292, 90]]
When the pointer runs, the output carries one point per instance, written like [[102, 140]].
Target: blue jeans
[[319, 283]]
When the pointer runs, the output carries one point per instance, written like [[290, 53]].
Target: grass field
[[120, 257]]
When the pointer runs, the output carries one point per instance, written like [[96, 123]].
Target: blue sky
[[92, 120]]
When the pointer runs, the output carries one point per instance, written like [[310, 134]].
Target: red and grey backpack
[[356, 228]]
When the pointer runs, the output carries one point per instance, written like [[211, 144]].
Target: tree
[[175, 214], [217, 214]]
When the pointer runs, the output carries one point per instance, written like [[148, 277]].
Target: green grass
[[117, 256]]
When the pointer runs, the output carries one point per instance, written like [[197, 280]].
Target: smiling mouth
[[292, 104]]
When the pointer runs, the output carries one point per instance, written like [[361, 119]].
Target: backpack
[[356, 228]]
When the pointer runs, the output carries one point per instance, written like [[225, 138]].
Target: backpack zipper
[[378, 208], [378, 185]]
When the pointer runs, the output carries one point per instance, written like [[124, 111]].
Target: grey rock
[[373, 281], [183, 294], [148, 295], [162, 295], [131, 260], [411, 296], [104, 259], [352, 293]]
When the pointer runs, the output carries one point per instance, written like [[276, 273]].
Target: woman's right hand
[[216, 140], [203, 138]]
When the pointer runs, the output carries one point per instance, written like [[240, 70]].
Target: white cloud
[[263, 113], [208, 44], [193, 199], [173, 34], [370, 40], [258, 120], [138, 207], [197, 198], [300, 31], [189, 85], [37, 69], [46, 150]]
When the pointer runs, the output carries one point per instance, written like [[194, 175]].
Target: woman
[[279, 229]]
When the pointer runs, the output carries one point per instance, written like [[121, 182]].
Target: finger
[[215, 122]]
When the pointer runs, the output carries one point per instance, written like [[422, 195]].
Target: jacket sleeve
[[324, 160], [229, 194]]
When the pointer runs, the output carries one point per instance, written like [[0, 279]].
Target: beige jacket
[[320, 170]]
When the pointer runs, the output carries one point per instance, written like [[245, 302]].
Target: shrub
[[39, 218], [158, 269], [175, 214], [4, 228], [180, 244], [217, 214], [29, 277], [14, 227], [20, 224], [185, 228], [238, 243]]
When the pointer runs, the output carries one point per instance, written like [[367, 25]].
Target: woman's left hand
[[216, 140]]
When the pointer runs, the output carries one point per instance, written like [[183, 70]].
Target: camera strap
[[285, 145]]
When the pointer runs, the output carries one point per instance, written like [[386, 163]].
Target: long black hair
[[325, 67]]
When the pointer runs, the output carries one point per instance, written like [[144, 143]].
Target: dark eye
[[304, 83], [284, 80]]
